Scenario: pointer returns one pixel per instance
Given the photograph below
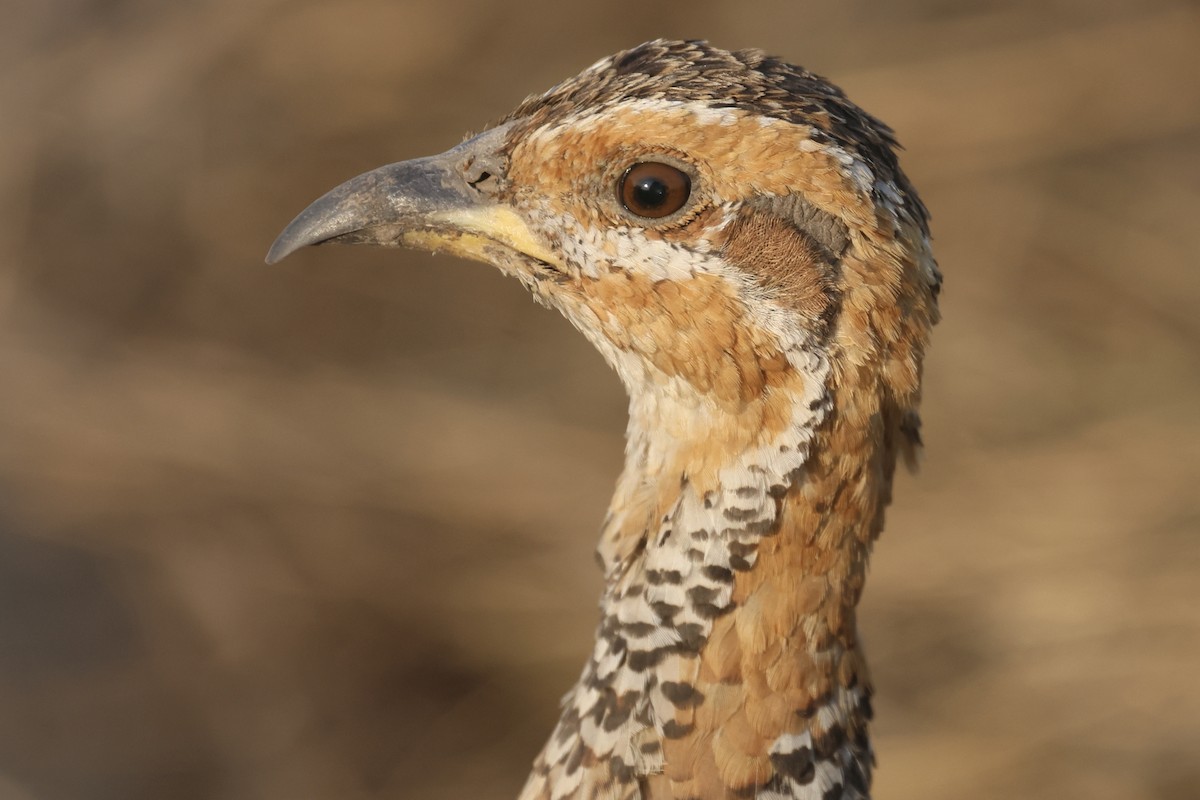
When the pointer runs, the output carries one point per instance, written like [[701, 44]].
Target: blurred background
[[324, 529]]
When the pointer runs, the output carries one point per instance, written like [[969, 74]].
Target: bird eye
[[654, 190]]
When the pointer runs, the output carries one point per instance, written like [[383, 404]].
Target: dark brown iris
[[654, 190]]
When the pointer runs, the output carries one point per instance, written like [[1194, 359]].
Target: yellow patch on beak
[[491, 225]]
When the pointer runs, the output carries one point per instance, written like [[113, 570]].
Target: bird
[[738, 241]]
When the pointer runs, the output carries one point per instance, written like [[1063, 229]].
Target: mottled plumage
[[770, 328]]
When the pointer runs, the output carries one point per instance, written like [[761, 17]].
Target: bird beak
[[425, 203]]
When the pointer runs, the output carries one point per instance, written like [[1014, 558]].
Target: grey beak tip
[[281, 249], [315, 224]]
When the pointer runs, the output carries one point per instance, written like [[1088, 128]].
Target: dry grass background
[[324, 529]]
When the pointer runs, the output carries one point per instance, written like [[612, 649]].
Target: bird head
[[730, 231]]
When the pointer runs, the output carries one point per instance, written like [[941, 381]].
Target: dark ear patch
[[825, 229], [772, 243]]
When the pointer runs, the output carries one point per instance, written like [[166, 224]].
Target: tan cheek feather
[[697, 330]]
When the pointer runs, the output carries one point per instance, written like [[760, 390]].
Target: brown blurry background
[[324, 529]]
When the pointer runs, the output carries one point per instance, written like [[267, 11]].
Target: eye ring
[[653, 189]]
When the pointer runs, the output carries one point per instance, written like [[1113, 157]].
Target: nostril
[[484, 181], [483, 172]]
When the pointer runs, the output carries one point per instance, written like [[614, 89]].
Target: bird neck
[[735, 552]]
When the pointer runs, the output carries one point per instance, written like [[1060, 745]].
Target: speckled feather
[[771, 341], [770, 335], [765, 289]]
